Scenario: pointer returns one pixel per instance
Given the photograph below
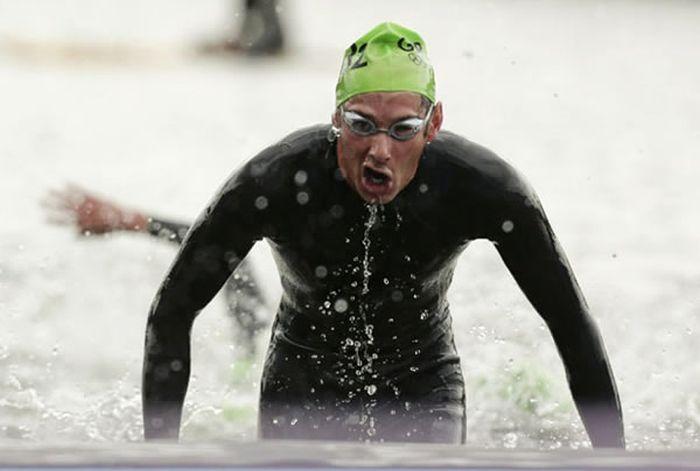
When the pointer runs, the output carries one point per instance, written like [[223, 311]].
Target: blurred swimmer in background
[[260, 34], [94, 215]]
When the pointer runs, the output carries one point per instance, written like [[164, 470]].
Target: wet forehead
[[386, 106]]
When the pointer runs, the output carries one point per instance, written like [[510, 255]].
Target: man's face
[[378, 166]]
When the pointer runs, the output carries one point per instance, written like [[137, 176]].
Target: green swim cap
[[390, 58]]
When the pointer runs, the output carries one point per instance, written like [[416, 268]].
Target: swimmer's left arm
[[530, 250]]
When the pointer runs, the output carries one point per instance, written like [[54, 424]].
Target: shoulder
[[306, 139], [475, 190], [268, 179], [278, 159], [474, 169]]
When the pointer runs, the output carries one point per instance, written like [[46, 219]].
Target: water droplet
[[423, 188], [371, 389], [371, 431], [321, 271], [507, 226], [257, 169], [302, 197], [300, 177], [337, 211], [261, 202], [510, 440], [340, 305]]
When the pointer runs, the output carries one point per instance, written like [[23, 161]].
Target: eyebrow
[[371, 118]]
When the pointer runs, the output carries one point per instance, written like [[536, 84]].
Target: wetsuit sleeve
[[168, 230], [218, 240], [530, 250]]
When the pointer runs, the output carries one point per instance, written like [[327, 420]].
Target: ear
[[335, 118], [435, 121]]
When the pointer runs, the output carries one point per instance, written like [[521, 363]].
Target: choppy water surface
[[596, 103]]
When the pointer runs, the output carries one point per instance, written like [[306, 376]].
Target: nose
[[380, 150]]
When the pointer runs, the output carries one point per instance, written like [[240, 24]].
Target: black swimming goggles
[[403, 130]]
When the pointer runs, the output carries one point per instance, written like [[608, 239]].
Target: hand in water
[[89, 213]]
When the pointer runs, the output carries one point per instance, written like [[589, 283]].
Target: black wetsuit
[[362, 345]]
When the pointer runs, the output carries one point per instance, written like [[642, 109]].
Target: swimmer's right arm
[[212, 249]]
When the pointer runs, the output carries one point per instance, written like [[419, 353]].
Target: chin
[[377, 194], [378, 199]]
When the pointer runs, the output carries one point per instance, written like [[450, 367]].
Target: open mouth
[[375, 177]]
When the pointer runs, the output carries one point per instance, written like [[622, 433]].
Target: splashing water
[[364, 358], [366, 242]]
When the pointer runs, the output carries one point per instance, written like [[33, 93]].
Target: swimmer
[[91, 214], [366, 218]]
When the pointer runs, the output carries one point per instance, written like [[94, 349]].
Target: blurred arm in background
[[90, 214]]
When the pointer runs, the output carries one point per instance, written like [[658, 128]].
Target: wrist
[[133, 221]]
